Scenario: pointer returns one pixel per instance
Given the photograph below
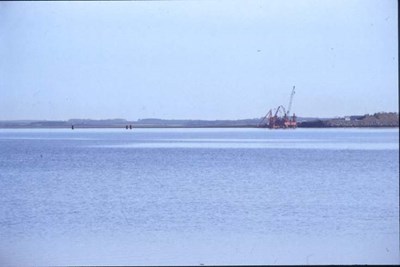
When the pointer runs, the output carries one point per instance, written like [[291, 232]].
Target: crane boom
[[265, 118], [290, 102]]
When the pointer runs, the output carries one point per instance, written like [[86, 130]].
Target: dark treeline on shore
[[383, 119]]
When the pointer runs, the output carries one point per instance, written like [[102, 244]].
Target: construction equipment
[[290, 102], [280, 118]]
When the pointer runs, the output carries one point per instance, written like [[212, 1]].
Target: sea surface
[[199, 196]]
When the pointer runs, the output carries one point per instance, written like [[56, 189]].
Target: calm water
[[199, 196]]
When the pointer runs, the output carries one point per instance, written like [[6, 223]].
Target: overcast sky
[[196, 59]]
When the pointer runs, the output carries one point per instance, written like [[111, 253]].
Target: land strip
[[383, 119]]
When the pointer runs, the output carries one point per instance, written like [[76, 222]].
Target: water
[[199, 196]]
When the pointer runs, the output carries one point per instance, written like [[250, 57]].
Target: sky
[[197, 59]]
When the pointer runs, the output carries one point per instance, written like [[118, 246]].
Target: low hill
[[382, 119]]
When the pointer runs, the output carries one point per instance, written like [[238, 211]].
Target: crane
[[279, 117], [290, 102], [265, 119]]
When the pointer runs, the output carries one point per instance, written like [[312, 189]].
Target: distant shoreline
[[195, 127], [377, 120]]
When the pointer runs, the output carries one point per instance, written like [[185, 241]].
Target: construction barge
[[280, 118]]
